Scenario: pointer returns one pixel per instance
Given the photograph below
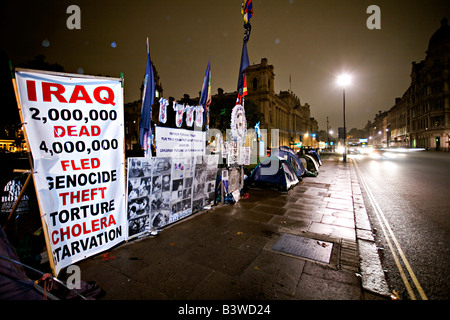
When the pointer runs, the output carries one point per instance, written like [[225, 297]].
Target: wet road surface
[[408, 201]]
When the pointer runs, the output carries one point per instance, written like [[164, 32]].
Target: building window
[[270, 113], [436, 88], [255, 84], [437, 121]]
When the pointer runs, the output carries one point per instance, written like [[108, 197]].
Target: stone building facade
[[429, 94], [421, 117], [282, 111]]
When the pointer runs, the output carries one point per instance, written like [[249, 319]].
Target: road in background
[[408, 200]]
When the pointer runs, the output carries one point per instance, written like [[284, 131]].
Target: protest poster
[[233, 154], [245, 154], [234, 179], [212, 163], [11, 194], [173, 142], [182, 175], [138, 191], [74, 128], [163, 190]]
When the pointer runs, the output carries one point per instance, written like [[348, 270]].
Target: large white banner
[[75, 131], [172, 142]]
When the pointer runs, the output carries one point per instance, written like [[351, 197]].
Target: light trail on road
[[389, 234]]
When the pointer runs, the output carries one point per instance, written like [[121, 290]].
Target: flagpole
[[149, 148], [145, 132]]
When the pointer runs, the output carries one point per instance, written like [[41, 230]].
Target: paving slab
[[228, 252]]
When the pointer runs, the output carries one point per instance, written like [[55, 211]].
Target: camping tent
[[289, 155], [273, 173], [310, 163], [315, 156]]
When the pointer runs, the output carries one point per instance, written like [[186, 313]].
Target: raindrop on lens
[[45, 43]]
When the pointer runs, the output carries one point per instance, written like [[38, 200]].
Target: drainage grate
[[304, 247]]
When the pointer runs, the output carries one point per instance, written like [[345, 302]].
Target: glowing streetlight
[[344, 80]]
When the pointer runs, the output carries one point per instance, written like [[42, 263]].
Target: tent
[[312, 167], [289, 155], [315, 156], [273, 173]]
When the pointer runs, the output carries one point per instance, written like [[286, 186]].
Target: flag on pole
[[242, 79], [244, 64], [148, 96], [244, 90], [247, 10], [205, 98]]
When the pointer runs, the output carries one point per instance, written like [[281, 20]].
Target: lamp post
[[344, 80]]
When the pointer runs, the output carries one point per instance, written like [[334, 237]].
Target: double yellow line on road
[[389, 235]]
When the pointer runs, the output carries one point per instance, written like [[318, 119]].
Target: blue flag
[[244, 64], [205, 98], [148, 97]]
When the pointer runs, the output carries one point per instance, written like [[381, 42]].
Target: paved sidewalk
[[303, 244]]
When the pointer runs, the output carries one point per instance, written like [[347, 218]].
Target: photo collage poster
[[181, 196], [160, 193], [162, 190], [138, 194], [204, 184]]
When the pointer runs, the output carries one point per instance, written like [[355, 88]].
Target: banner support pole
[[44, 225]]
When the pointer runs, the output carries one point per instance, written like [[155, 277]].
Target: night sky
[[311, 42]]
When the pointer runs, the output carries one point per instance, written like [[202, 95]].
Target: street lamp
[[343, 81]]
